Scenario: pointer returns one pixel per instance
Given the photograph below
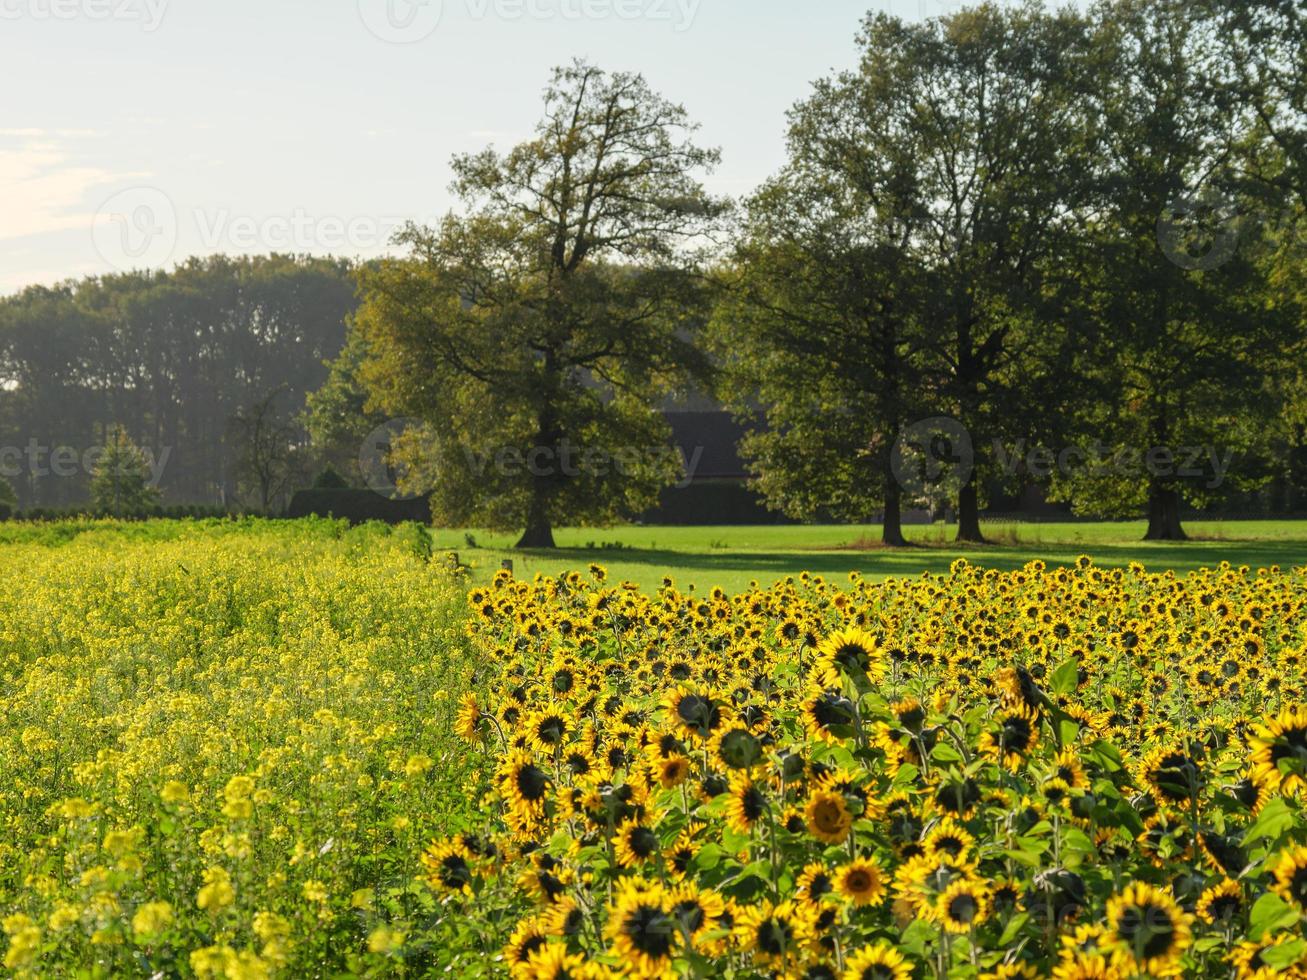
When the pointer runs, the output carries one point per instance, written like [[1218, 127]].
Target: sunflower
[[1069, 769], [1279, 753], [1085, 966], [644, 934], [776, 935], [814, 882], [448, 865], [828, 816], [1016, 737], [950, 838], [554, 962], [1221, 903], [467, 725], [525, 784], [878, 962], [683, 852], [910, 714], [1291, 876], [563, 918], [547, 730], [747, 805], [1249, 958], [696, 909], [962, 905], [672, 771], [1172, 776], [698, 712], [860, 882], [527, 938], [851, 654], [1146, 929], [634, 843]]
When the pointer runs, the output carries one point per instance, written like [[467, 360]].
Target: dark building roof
[[710, 441]]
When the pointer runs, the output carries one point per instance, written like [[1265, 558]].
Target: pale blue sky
[[136, 132]]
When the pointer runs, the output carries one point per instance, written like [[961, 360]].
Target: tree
[[973, 138], [821, 326], [1264, 48], [535, 333], [8, 500], [1175, 281], [268, 448], [122, 484], [169, 356], [337, 417]]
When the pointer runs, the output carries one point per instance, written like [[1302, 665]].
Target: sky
[[135, 133]]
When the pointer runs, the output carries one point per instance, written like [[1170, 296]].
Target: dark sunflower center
[[774, 936], [858, 881], [551, 729], [853, 657], [819, 886], [1148, 930], [1016, 734], [643, 842], [753, 804], [950, 845], [454, 871], [1225, 907], [963, 908], [691, 913], [830, 709], [1292, 744], [529, 946], [650, 930], [698, 713], [1298, 885], [531, 782]]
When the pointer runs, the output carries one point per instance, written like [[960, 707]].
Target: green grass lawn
[[733, 556]]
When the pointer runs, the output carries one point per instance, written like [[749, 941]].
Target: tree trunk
[[1164, 514], [969, 513], [539, 532], [892, 526]]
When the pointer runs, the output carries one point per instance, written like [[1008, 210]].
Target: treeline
[[205, 367], [1011, 247]]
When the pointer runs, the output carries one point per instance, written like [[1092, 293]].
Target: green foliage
[[170, 355], [122, 484], [8, 499], [535, 333], [1185, 350]]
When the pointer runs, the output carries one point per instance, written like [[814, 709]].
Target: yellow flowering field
[[223, 746], [1066, 772]]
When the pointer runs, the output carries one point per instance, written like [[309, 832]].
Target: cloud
[[42, 189]]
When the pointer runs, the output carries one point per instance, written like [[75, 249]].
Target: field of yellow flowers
[[222, 747], [249, 749], [1066, 772]]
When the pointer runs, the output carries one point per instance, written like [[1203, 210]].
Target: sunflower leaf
[[1276, 817], [1269, 913]]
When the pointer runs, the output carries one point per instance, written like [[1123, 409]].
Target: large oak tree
[[535, 332]]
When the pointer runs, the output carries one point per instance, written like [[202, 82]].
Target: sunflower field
[[1066, 772], [222, 746]]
